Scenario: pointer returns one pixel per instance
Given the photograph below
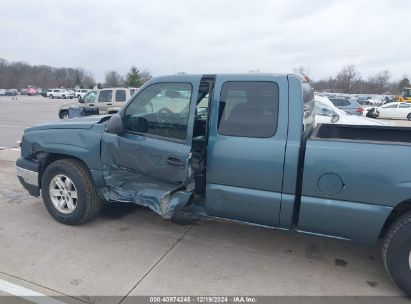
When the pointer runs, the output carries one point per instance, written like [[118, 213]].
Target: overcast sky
[[209, 36]]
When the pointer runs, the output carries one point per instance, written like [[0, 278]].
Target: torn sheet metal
[[161, 197], [137, 171]]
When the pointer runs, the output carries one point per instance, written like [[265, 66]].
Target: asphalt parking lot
[[129, 250]]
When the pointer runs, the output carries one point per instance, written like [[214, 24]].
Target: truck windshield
[[90, 97]]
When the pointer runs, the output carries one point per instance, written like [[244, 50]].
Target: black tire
[[64, 96], [396, 252], [409, 116], [64, 114], [88, 201], [52, 97]]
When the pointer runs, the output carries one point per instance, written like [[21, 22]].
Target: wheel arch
[[398, 211], [48, 158]]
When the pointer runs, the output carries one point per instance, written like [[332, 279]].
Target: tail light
[[360, 110]]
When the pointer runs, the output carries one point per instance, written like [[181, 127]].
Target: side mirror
[[81, 100], [115, 124]]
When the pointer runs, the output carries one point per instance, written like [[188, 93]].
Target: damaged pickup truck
[[237, 147]]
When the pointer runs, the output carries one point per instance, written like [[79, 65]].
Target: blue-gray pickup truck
[[239, 147]]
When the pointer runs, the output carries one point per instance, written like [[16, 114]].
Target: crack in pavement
[[158, 262]]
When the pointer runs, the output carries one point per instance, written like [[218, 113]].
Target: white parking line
[[27, 294]]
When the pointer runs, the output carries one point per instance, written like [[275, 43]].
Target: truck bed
[[353, 176], [362, 133]]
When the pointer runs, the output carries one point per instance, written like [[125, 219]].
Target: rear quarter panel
[[375, 178]]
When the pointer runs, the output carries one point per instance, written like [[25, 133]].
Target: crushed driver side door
[[150, 162]]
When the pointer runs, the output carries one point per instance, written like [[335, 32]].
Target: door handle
[[174, 161], [109, 104], [91, 104]]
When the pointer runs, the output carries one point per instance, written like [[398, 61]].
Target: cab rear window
[[248, 109]]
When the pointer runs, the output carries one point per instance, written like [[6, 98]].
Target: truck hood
[[67, 105], [74, 123]]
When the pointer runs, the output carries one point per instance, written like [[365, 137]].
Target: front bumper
[[28, 175]]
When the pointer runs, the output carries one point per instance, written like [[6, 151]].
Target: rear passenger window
[[120, 95], [248, 108], [336, 102], [394, 106], [105, 96]]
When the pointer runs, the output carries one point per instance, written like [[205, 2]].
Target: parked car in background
[[44, 92], [348, 105], [362, 100], [375, 101], [327, 113], [61, 93], [31, 91], [2, 92], [23, 91], [12, 92], [392, 110], [102, 101], [80, 93], [389, 99]]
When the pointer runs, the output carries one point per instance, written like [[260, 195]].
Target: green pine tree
[[133, 78]]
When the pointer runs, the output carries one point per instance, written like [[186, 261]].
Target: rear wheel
[[397, 252], [409, 116], [69, 193], [64, 96], [52, 97]]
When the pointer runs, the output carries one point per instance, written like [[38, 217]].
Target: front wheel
[[69, 193], [64, 114], [52, 97], [64, 96], [397, 252], [409, 116]]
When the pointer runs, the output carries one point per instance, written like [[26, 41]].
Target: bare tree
[[113, 79], [145, 76], [302, 71], [20, 74], [348, 78], [380, 82]]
